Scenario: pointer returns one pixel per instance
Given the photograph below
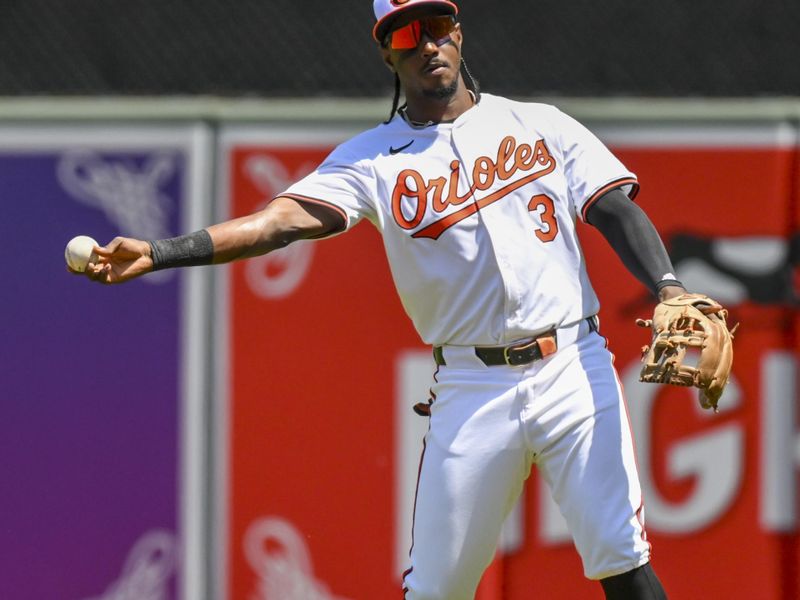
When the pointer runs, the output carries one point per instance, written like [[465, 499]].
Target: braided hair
[[396, 102]]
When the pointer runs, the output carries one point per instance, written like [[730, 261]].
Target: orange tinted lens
[[406, 37], [438, 27]]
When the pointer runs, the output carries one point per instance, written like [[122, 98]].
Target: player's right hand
[[120, 260]]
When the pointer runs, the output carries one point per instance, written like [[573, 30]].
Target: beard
[[444, 92]]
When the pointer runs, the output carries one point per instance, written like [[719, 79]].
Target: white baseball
[[79, 252]]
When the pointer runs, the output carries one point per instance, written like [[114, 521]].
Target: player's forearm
[[635, 240], [248, 236], [225, 242], [281, 223]]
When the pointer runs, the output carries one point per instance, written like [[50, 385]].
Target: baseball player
[[477, 197]]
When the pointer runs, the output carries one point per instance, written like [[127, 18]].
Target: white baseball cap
[[387, 10]]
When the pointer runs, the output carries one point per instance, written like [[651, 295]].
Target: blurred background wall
[[323, 48], [163, 440]]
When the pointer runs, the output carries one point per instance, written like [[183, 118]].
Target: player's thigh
[[461, 505], [473, 469], [591, 469]]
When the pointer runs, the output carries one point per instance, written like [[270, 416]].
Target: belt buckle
[[528, 354]]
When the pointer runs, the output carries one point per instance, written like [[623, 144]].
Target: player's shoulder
[[532, 113], [370, 144], [527, 107]]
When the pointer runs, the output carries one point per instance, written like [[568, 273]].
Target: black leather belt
[[515, 355], [527, 352]]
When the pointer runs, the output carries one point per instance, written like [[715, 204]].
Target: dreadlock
[[396, 101]]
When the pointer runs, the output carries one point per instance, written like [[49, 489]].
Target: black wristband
[[189, 250], [667, 283]]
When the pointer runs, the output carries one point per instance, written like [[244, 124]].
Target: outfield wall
[[240, 432]]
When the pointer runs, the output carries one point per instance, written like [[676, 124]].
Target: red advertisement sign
[[323, 368], [313, 335], [714, 504]]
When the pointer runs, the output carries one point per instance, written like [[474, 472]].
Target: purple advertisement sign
[[92, 379]]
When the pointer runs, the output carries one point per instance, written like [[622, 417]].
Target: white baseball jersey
[[477, 215], [478, 220]]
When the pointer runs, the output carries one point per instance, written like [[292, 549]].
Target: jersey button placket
[[465, 182], [498, 236]]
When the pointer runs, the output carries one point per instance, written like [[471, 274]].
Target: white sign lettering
[[780, 454], [148, 569], [281, 561], [715, 459]]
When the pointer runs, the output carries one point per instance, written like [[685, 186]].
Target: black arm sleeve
[[633, 237]]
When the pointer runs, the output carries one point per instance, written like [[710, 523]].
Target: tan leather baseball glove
[[689, 322]]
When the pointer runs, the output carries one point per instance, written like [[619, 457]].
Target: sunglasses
[[409, 36]]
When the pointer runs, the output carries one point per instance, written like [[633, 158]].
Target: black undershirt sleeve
[[633, 237]]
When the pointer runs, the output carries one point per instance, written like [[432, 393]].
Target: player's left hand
[[120, 260], [685, 322]]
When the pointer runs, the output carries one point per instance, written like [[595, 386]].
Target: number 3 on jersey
[[545, 208]]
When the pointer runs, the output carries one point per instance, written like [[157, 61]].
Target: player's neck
[[424, 109]]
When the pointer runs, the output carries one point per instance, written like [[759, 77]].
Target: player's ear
[[386, 55], [457, 35]]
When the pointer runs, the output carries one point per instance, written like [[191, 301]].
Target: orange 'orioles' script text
[[442, 192]]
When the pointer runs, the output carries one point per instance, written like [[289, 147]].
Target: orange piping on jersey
[[319, 202], [608, 187]]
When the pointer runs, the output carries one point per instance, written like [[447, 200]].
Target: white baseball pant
[[566, 414]]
